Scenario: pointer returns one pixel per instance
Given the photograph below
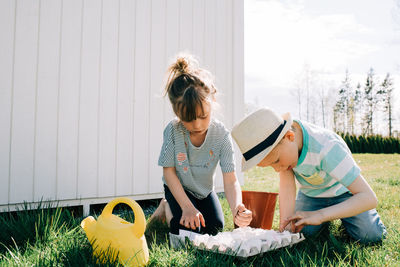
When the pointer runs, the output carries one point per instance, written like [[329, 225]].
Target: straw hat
[[258, 133]]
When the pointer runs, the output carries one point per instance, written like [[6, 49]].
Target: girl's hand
[[301, 219], [286, 226], [242, 216], [191, 218]]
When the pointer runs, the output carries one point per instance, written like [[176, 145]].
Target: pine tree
[[386, 91], [323, 105], [357, 104], [307, 81], [348, 103], [342, 105], [336, 118], [350, 115], [370, 102]]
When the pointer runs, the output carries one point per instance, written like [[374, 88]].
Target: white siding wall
[[81, 107]]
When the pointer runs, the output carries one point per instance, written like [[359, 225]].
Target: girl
[[193, 144]]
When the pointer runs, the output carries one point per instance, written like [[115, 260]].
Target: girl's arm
[[241, 216], [191, 217], [287, 198], [363, 199]]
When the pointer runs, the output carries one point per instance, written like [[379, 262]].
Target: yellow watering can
[[112, 236]]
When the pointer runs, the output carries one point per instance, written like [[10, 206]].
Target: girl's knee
[[220, 224], [215, 227], [311, 230], [174, 225]]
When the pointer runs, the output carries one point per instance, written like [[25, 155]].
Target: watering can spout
[[88, 226]]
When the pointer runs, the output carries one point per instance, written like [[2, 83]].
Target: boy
[[330, 184]]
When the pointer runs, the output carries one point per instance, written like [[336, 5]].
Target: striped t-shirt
[[195, 166], [325, 167]]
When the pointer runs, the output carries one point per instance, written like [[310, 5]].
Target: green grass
[[52, 236]]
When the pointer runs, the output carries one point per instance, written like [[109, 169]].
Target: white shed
[[81, 106]]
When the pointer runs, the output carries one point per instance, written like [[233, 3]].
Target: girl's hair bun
[[188, 86], [184, 64]]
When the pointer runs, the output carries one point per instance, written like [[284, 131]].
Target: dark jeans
[[209, 207]]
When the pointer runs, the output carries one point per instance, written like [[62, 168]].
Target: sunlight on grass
[[52, 236]]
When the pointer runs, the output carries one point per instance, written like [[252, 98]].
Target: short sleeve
[[227, 156], [338, 162], [167, 154]]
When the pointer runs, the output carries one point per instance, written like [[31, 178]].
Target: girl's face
[[199, 126], [284, 156]]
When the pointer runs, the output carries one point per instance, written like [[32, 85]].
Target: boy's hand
[[301, 219], [191, 218], [242, 216]]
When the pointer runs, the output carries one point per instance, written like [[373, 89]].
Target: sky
[[282, 37]]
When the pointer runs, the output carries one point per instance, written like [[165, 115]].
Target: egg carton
[[241, 242]]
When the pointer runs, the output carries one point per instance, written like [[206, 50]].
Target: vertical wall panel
[[89, 100], [68, 107], [221, 56], [47, 94], [238, 71], [198, 29], [186, 25], [142, 94], [7, 30], [210, 33], [108, 98], [158, 67], [81, 83], [228, 91], [24, 98], [229, 121], [221, 61], [171, 47], [238, 59], [126, 70]]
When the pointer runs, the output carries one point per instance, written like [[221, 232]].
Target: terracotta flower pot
[[262, 205]]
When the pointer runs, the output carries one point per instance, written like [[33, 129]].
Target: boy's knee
[[371, 235], [366, 227]]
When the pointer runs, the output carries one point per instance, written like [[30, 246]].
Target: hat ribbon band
[[264, 144]]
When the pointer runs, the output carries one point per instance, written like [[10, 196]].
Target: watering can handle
[[140, 222]]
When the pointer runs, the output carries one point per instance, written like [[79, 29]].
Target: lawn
[[52, 237]]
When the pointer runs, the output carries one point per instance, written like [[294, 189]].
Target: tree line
[[364, 108], [360, 106]]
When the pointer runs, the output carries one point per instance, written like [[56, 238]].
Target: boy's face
[[284, 156]]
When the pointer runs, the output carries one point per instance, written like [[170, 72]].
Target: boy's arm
[[363, 199], [191, 217], [241, 216], [287, 197]]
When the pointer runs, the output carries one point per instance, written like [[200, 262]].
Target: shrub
[[371, 144]]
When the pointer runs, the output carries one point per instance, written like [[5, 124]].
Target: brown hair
[[188, 86]]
